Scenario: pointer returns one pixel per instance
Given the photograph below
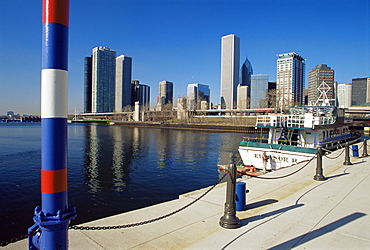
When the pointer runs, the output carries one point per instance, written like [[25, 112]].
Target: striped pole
[[53, 218]]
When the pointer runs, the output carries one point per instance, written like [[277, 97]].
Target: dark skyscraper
[[141, 94], [361, 91], [87, 84], [103, 79], [123, 82], [246, 71]]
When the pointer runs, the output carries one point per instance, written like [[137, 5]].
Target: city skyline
[[186, 49]]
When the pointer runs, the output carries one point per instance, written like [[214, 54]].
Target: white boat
[[294, 137]]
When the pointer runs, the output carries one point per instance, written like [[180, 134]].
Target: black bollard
[[319, 176], [347, 160], [364, 152], [229, 219]]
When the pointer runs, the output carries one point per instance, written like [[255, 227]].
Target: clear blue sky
[[180, 41]]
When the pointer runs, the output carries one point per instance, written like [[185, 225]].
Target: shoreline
[[204, 127]]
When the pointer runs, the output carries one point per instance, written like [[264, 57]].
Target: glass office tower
[[103, 79], [259, 88], [197, 93], [123, 82], [87, 84]]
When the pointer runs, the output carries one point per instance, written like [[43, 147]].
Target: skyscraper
[[197, 93], [243, 101], [246, 71], [344, 94], [103, 79], [141, 93], [230, 63], [290, 79], [123, 91], [259, 88], [361, 91], [321, 73], [165, 93], [87, 84]]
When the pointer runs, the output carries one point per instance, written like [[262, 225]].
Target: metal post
[[52, 219], [229, 219], [319, 172], [347, 160], [364, 152]]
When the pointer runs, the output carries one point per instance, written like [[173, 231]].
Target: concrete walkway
[[293, 212]]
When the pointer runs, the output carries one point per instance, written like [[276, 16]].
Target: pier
[[281, 213]]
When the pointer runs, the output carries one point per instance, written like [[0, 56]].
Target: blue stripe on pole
[[51, 203], [54, 143], [55, 46]]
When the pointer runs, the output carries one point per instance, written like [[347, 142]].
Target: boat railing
[[269, 121], [281, 141], [296, 121]]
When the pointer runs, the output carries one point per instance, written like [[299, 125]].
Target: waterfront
[[112, 169]]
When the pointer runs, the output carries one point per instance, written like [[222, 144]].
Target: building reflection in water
[[120, 158], [108, 154]]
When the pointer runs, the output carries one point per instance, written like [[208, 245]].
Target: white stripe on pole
[[54, 93]]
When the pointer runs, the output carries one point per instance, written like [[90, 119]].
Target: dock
[[295, 212]]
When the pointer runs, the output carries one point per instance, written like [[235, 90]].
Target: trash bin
[[355, 150], [240, 196]]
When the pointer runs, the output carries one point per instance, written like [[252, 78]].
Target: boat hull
[[277, 158]]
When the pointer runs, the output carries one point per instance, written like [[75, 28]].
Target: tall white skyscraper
[[123, 82], [230, 63], [290, 79]]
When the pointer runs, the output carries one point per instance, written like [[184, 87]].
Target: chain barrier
[[22, 237], [280, 177], [332, 158], [151, 220]]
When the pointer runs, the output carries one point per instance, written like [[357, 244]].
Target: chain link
[[332, 158], [280, 177], [151, 220], [24, 236]]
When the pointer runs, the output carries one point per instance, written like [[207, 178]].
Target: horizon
[[180, 41]]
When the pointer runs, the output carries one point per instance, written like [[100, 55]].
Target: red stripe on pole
[[55, 11], [54, 181]]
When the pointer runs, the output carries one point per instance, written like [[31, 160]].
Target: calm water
[[112, 169]]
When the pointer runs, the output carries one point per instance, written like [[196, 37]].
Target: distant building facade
[[103, 79], [344, 95], [321, 73], [230, 63], [246, 72], [243, 101], [361, 91], [196, 94], [165, 93], [123, 89], [87, 84], [259, 89], [290, 79], [141, 94]]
